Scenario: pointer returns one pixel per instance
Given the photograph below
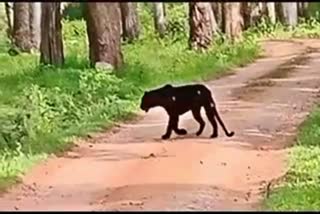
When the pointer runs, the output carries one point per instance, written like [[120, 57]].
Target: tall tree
[[9, 16], [287, 13], [302, 9], [259, 10], [130, 20], [103, 28], [217, 11], [214, 24], [159, 18], [200, 37], [35, 24], [233, 21], [246, 10], [21, 26], [271, 11], [252, 13], [51, 45], [279, 11]]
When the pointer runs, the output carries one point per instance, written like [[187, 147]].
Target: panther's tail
[[229, 134]]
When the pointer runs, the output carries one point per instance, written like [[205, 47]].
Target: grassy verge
[[306, 28], [42, 108], [301, 189]]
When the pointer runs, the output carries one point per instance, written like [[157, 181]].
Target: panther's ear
[[166, 90], [167, 86]]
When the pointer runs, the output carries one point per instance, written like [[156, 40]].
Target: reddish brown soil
[[130, 168]]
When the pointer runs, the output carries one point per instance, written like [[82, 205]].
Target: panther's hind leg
[[171, 124], [196, 112], [211, 117]]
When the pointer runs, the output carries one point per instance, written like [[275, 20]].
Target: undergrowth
[[301, 189], [306, 28]]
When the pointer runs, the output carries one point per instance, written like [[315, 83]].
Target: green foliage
[[176, 17], [174, 62], [177, 20], [15, 162], [309, 133], [73, 11], [300, 198], [76, 46], [314, 10], [301, 190], [306, 28], [146, 21]]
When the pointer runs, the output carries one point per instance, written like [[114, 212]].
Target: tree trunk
[[302, 9], [214, 24], [103, 28], [130, 21], [246, 14], [9, 16], [51, 45], [290, 13], [21, 26], [279, 11], [260, 6], [271, 11], [256, 11], [233, 20], [35, 24], [251, 13], [63, 6], [305, 6], [159, 18], [217, 12], [200, 37]]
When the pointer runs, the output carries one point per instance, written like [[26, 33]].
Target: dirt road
[[130, 168]]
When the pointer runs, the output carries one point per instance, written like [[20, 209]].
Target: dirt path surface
[[130, 168]]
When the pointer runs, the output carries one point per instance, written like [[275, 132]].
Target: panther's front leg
[[180, 131], [173, 125]]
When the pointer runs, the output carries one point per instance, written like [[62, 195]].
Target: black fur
[[178, 100]]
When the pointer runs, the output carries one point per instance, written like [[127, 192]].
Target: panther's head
[[147, 101], [157, 97]]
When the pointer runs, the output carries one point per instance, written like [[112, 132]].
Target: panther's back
[[190, 91]]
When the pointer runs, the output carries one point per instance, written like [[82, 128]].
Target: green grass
[[301, 189], [306, 28]]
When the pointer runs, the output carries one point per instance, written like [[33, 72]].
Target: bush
[[74, 11]]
